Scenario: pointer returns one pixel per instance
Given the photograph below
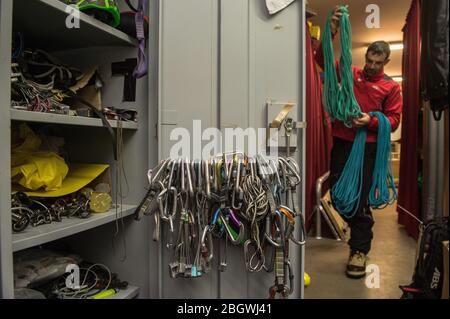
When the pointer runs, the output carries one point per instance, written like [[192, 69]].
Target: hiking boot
[[356, 267]]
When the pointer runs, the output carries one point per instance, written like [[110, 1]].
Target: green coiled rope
[[346, 192], [339, 98]]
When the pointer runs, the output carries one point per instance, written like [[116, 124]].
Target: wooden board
[[339, 224]]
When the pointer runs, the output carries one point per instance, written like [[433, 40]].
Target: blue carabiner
[[216, 218]]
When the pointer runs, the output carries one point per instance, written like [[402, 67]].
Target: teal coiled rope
[[339, 99], [383, 191], [346, 192], [341, 105]]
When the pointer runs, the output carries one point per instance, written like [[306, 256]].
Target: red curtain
[[318, 133], [408, 190]]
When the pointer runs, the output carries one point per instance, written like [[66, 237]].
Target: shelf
[[43, 23], [41, 117], [310, 13], [129, 293], [33, 236]]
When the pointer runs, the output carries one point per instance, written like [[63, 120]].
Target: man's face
[[374, 63]]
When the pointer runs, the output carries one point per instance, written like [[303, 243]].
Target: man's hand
[[362, 121], [334, 23]]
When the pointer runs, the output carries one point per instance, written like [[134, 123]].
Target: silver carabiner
[[157, 230], [189, 178], [237, 188], [248, 261], [210, 246], [292, 167], [208, 181], [267, 234], [159, 169]]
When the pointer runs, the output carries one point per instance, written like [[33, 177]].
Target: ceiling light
[[396, 46], [397, 78]]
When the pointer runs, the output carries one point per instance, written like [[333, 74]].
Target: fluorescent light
[[396, 46], [393, 46], [397, 78]]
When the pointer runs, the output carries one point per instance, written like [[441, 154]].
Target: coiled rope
[[341, 105], [382, 180], [346, 192], [339, 98]]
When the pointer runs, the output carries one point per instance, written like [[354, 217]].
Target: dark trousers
[[361, 224]]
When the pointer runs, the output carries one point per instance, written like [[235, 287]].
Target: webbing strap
[[142, 67]]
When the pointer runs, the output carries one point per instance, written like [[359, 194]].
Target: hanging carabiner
[[237, 189], [258, 255], [207, 167], [190, 186], [235, 239], [268, 232], [207, 248]]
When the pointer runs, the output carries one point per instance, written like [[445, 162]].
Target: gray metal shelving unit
[[41, 117], [43, 23], [33, 236], [53, 32], [217, 61]]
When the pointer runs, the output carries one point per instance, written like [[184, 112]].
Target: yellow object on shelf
[[79, 176], [306, 279], [104, 294], [33, 168], [100, 202]]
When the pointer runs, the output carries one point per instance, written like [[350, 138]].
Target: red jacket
[[377, 93]]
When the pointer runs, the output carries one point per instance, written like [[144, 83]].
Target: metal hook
[[267, 234], [206, 165], [248, 261], [189, 178], [234, 241], [210, 246]]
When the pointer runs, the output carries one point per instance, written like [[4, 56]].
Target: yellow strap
[[276, 123]]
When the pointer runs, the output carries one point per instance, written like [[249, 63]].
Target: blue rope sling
[[341, 105]]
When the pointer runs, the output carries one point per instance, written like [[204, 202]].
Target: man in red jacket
[[374, 91]]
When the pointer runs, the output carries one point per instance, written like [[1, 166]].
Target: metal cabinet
[[217, 61], [220, 61]]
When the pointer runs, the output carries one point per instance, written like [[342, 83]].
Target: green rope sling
[[341, 105]]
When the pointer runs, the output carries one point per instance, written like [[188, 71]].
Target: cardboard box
[[445, 256], [89, 88]]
